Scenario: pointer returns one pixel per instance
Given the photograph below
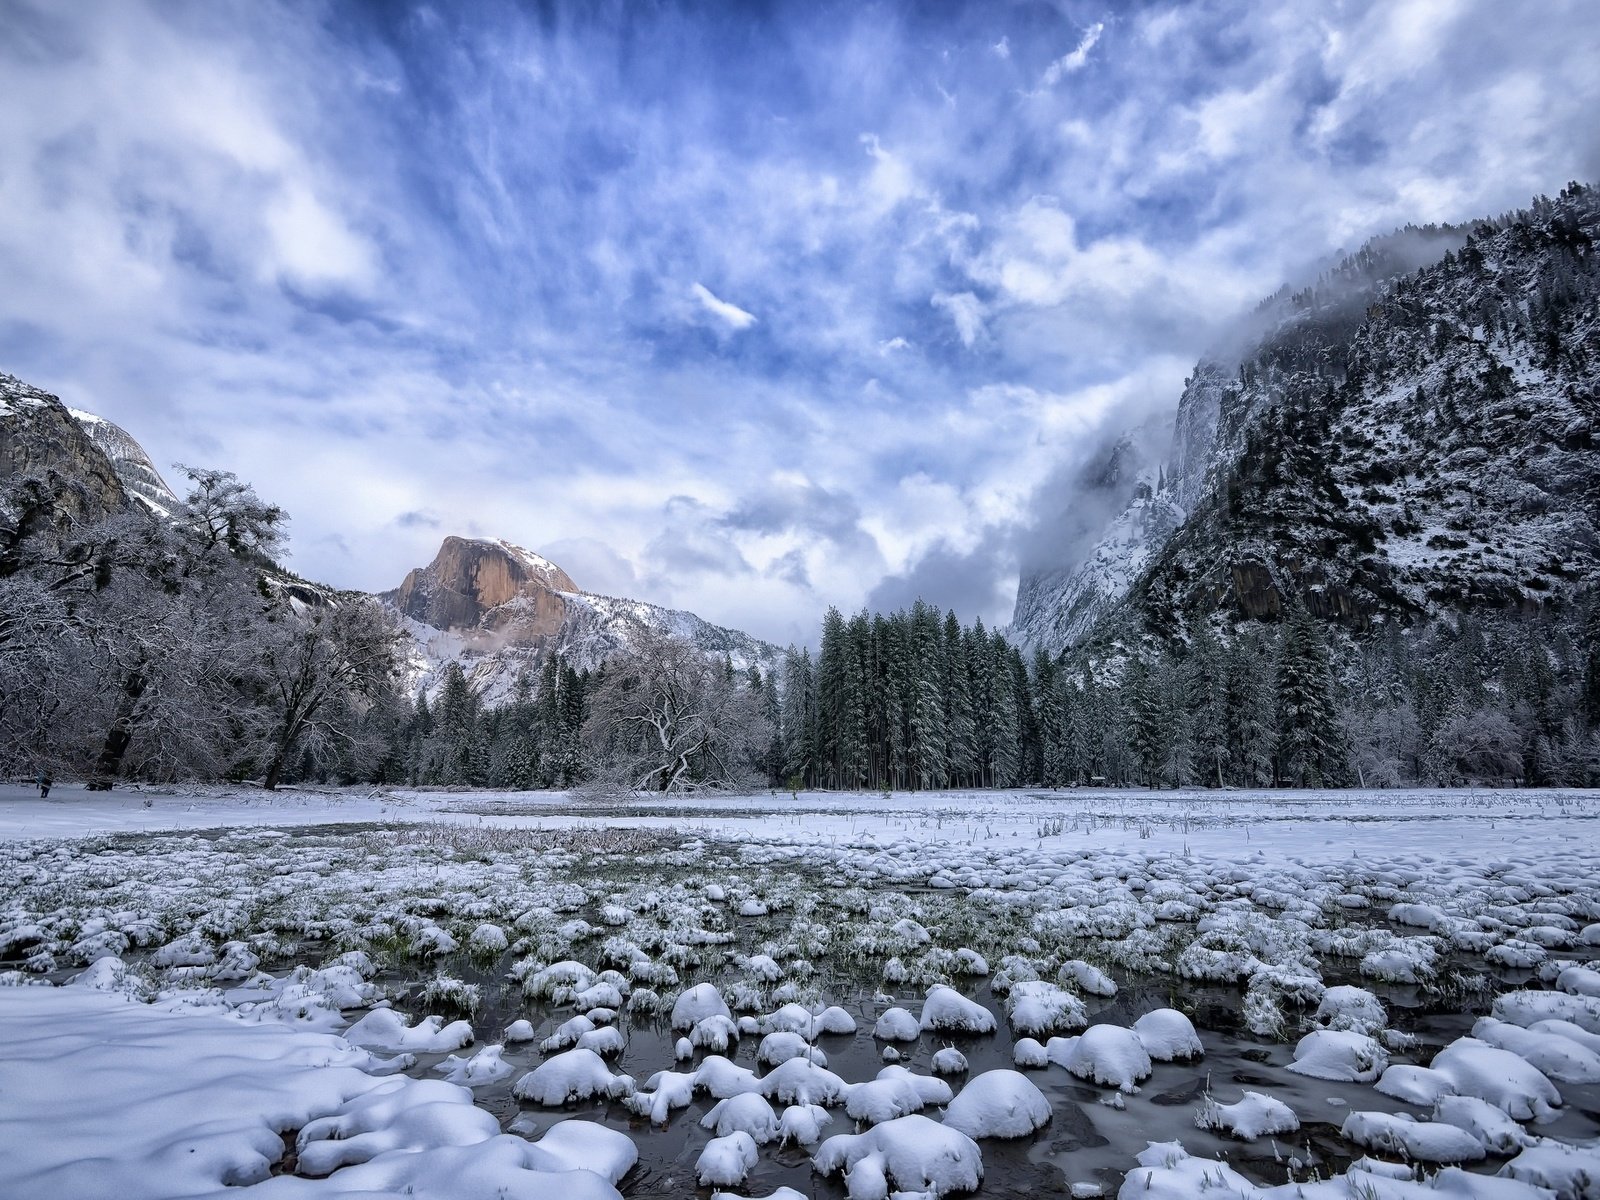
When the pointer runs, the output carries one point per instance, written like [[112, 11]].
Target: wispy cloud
[[815, 303], [730, 315]]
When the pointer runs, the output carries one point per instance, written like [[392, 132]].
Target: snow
[[1418, 1141], [1167, 1035], [697, 1004], [1105, 1054], [1037, 1007], [386, 1029], [1336, 1054], [1255, 1115], [897, 1025], [911, 1154], [896, 1092], [949, 1061], [998, 1104], [746, 1113], [947, 1010], [142, 1102], [571, 1075], [726, 1160], [1502, 1078]]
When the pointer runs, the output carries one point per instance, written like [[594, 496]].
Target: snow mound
[[896, 1025], [802, 1124], [1417, 1141], [1340, 1056], [1256, 1115], [1571, 1172], [387, 1030], [1105, 1054], [1036, 1007], [747, 1113], [949, 1061], [896, 1092], [726, 1160], [948, 1010], [1497, 1133], [1352, 1009], [1167, 1036], [1557, 1056], [801, 1082], [571, 1075], [998, 1104], [911, 1154], [1504, 1079], [695, 1005]]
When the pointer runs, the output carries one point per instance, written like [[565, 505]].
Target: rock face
[[40, 438], [474, 583], [138, 474], [500, 610], [1412, 435]]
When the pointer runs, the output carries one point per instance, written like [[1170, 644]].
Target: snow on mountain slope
[[1413, 434], [501, 610], [133, 466]]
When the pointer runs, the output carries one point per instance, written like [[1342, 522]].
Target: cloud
[[1075, 59], [496, 270], [965, 311], [730, 315]]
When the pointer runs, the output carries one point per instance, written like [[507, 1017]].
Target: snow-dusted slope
[[1411, 435], [133, 466], [501, 610]]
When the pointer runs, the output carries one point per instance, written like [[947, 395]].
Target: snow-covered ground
[[1295, 986]]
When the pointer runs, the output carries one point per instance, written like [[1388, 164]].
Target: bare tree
[[667, 719], [320, 665]]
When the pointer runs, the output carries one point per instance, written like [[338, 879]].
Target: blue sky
[[746, 309]]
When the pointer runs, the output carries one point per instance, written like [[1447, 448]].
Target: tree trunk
[[108, 765]]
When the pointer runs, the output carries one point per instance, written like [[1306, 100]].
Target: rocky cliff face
[[138, 474], [39, 438], [500, 610], [1411, 435]]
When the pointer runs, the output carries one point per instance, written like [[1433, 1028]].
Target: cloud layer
[[747, 314]]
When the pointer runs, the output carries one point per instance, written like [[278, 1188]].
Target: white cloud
[[1075, 59], [1002, 48], [730, 315], [965, 311]]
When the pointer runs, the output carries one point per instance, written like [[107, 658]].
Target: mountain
[[1410, 436], [138, 475], [500, 610], [40, 438]]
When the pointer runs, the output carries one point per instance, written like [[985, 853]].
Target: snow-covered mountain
[[132, 465], [39, 439], [1412, 434], [500, 610]]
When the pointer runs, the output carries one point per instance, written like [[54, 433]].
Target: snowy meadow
[[1170, 994]]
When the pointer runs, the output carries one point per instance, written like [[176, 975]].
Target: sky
[[745, 309]]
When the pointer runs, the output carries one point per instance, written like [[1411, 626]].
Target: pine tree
[[1310, 753]]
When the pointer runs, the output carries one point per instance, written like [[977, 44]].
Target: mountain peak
[[470, 577]]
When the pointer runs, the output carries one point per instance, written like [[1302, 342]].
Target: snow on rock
[[1168, 1036], [1340, 1056], [1167, 1172], [1105, 1054], [1036, 1007], [1028, 1052], [519, 1031], [607, 1042], [1559, 1057], [896, 1092], [714, 1033], [910, 1154], [571, 1075], [199, 1099], [722, 1078], [802, 1124], [726, 1160], [1256, 1115], [487, 939], [696, 1005], [949, 1061], [1498, 1133], [834, 1019], [663, 1092], [998, 1104], [486, 1066], [559, 982], [1526, 1007], [387, 1030], [948, 1010], [1353, 1009], [1415, 1085], [1571, 1172], [780, 1047], [1088, 977], [1417, 1141], [801, 1082], [1504, 1079], [896, 1025], [746, 1112], [567, 1034]]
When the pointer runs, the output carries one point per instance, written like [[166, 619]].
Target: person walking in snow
[[44, 785]]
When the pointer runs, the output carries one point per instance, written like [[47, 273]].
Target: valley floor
[[1380, 994]]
